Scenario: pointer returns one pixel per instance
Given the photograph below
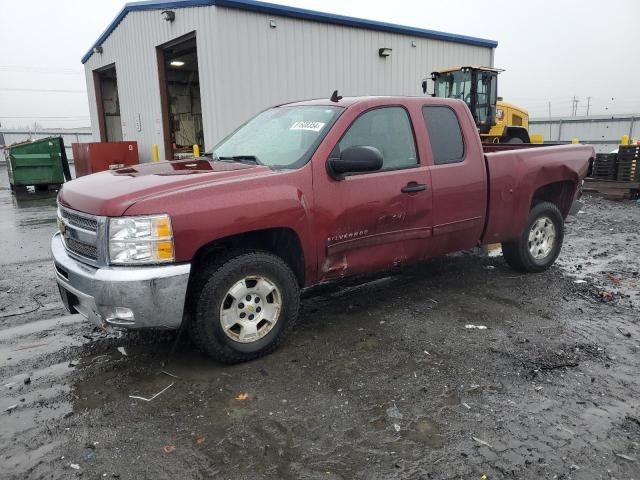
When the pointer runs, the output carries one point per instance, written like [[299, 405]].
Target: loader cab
[[476, 86]]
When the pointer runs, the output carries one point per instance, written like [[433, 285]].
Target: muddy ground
[[381, 378]]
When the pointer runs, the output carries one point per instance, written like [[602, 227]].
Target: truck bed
[[516, 177]]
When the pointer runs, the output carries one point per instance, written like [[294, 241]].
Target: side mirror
[[354, 160]]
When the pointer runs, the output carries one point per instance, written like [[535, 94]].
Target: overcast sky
[[551, 50]]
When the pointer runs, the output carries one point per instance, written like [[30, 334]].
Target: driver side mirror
[[355, 159]]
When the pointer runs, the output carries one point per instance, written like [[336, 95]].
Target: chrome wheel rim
[[250, 309], [542, 238]]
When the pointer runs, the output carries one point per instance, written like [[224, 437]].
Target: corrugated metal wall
[[245, 65], [604, 132]]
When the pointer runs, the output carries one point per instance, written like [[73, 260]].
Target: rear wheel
[[540, 243], [246, 304]]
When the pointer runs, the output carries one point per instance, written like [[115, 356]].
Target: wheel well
[[558, 193], [283, 242], [516, 132]]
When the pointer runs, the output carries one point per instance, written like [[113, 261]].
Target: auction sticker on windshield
[[312, 126]]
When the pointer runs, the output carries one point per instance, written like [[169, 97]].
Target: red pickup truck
[[303, 193]]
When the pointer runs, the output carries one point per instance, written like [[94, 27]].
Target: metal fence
[[69, 136], [603, 131]]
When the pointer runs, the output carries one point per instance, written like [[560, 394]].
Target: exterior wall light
[[97, 49], [384, 52], [273, 24], [169, 15]]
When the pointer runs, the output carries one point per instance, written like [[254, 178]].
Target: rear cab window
[[445, 134]]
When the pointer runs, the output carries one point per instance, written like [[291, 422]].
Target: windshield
[[454, 85], [283, 137]]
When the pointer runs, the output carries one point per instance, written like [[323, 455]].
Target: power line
[[47, 90], [30, 69], [45, 117]]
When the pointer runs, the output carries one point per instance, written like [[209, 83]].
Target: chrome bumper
[[130, 297]]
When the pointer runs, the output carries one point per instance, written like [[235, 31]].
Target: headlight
[[140, 240]]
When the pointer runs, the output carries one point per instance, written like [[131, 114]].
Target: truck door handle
[[413, 187]]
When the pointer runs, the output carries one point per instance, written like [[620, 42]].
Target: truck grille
[[80, 234], [81, 249], [90, 224]]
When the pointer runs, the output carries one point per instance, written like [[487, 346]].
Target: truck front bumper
[[129, 297]]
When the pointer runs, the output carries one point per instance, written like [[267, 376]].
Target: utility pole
[[588, 105], [574, 110]]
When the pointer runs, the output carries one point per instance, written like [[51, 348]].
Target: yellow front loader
[[497, 121]]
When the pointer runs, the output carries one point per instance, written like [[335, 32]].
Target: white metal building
[[176, 73]]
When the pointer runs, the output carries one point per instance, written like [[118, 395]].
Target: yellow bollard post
[[624, 140], [575, 140], [196, 151], [155, 152]]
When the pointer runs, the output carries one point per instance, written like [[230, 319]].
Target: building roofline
[[286, 11]]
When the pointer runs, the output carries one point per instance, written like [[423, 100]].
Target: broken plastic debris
[[396, 427], [10, 408], [122, 351], [393, 412], [482, 442], [626, 457], [151, 398], [75, 466], [169, 448], [241, 396], [200, 440], [477, 327], [580, 281], [466, 405]]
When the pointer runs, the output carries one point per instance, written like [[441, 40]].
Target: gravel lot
[[381, 379]]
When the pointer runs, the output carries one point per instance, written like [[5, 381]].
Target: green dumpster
[[42, 163]]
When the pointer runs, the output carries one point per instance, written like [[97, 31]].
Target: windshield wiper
[[243, 159]]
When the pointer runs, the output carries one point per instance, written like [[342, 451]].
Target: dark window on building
[[445, 134], [389, 130]]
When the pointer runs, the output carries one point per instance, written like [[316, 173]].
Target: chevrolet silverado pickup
[[303, 193]]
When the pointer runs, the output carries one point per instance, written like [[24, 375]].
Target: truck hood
[[111, 193]]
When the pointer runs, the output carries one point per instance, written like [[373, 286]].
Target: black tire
[[211, 290], [514, 140], [518, 255]]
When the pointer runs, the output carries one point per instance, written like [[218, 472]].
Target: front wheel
[[540, 243], [246, 304]]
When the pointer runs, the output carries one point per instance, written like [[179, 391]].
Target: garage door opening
[[105, 82], [180, 97]]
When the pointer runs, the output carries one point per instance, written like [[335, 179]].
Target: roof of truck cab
[[346, 102]]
